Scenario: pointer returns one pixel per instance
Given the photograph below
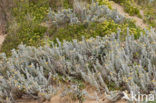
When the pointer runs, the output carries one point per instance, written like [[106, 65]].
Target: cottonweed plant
[[130, 65], [93, 13]]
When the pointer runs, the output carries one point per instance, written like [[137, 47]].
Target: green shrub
[[150, 16], [70, 32], [129, 7], [27, 16], [29, 10], [105, 2], [149, 8], [28, 33], [11, 41], [67, 4], [57, 4]]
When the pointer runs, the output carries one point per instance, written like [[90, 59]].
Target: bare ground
[[67, 99], [2, 37], [139, 21]]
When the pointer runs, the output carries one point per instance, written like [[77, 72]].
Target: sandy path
[[139, 21], [2, 37]]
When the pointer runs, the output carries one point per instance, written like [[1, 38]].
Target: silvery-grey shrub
[[129, 64], [95, 13]]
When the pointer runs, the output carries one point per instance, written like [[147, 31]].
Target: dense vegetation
[[130, 7], [148, 7], [105, 63], [25, 26], [52, 43]]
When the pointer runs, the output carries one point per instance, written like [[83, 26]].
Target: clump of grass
[[130, 7]]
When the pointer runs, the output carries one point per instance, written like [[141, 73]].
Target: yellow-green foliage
[[28, 33], [105, 2], [56, 4], [27, 29], [28, 16], [150, 17], [92, 30], [38, 12], [149, 10], [35, 11], [31, 34], [129, 6], [67, 4]]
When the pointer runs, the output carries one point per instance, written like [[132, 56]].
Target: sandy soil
[[58, 99], [139, 21], [67, 99], [2, 37]]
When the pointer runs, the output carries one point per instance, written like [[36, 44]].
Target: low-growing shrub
[[96, 20], [29, 17], [105, 2], [97, 61], [27, 10], [25, 27], [149, 8], [27, 33], [129, 7], [94, 29], [95, 13], [150, 16]]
